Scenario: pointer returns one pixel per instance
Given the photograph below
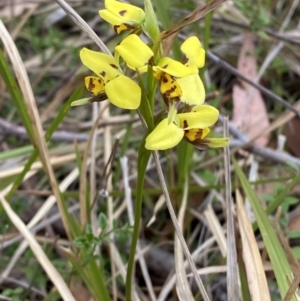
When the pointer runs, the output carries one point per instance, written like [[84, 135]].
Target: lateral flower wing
[[127, 13], [101, 64], [193, 51], [193, 92], [123, 92], [164, 136], [200, 117], [134, 51]]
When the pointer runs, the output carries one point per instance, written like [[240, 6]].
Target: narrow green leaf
[[16, 95], [151, 24], [280, 264], [143, 159], [54, 125]]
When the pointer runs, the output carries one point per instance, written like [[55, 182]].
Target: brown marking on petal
[[122, 12], [193, 135], [114, 66], [99, 97], [170, 91], [198, 134], [185, 124], [91, 85], [103, 73], [164, 79], [165, 66]]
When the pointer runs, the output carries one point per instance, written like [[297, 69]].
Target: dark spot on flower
[[198, 135], [164, 79], [185, 124], [165, 66], [122, 12], [103, 73], [91, 85], [114, 66], [99, 97], [169, 92]]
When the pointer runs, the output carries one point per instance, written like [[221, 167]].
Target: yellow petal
[[196, 134], [130, 14], [123, 92], [194, 52], [110, 17], [216, 142], [134, 51], [175, 68], [94, 84], [193, 92], [201, 117], [169, 86], [164, 136], [101, 64], [80, 102], [212, 143]]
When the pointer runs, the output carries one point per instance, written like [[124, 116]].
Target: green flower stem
[[143, 159]]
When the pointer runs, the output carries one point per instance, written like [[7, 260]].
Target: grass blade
[[282, 270]]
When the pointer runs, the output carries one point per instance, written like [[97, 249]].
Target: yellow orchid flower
[[122, 16], [168, 71], [183, 80], [193, 92], [121, 91], [193, 126], [135, 52]]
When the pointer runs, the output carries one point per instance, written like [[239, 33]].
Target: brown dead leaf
[[292, 134], [79, 291], [249, 110]]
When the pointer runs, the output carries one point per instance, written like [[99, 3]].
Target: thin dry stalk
[[83, 25], [182, 285], [38, 252], [232, 271], [256, 277], [177, 228], [30, 103]]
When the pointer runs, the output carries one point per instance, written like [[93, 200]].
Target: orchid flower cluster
[[180, 86]]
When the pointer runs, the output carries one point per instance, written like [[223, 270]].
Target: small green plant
[[89, 241], [14, 293]]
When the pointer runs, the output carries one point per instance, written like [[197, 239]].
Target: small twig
[[7, 127], [243, 142], [293, 287], [262, 89], [278, 35]]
